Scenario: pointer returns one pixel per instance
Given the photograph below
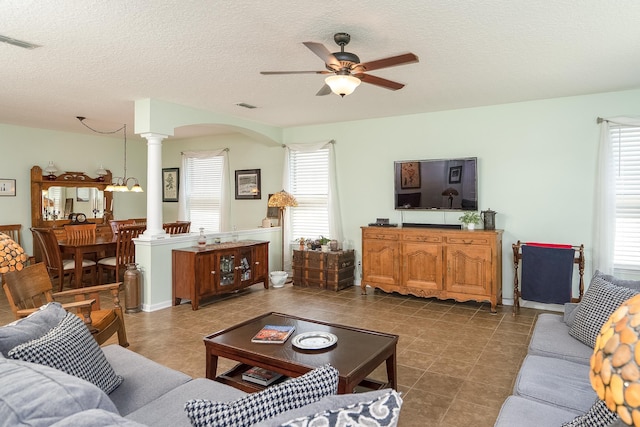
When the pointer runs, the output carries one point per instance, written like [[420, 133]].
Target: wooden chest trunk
[[326, 270]]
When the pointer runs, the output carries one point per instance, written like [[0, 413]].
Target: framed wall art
[[7, 187], [170, 182], [410, 175], [455, 174], [248, 184]]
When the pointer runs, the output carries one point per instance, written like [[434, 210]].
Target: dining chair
[[179, 227], [57, 267], [31, 288], [15, 232], [125, 251], [115, 223], [139, 221], [80, 231]]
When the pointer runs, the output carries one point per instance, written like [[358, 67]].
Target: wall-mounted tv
[[450, 184]]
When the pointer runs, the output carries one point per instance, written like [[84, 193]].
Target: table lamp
[[615, 364], [12, 256], [282, 200]]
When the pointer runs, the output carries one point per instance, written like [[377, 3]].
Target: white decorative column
[[154, 186]]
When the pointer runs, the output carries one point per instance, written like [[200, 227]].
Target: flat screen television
[[450, 184]]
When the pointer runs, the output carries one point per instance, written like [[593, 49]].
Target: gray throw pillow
[[265, 404], [38, 395], [381, 412], [70, 347], [34, 326], [598, 303], [631, 284]]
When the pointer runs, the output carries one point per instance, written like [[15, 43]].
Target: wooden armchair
[[31, 288]]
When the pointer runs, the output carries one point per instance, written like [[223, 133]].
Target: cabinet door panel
[[260, 263], [244, 266], [468, 269], [422, 266], [206, 274], [381, 262]]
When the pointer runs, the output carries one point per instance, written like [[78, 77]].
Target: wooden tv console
[[464, 265]]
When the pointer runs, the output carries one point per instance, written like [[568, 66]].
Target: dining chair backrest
[[47, 241], [115, 223], [139, 221], [80, 231], [179, 227], [13, 231], [125, 247]]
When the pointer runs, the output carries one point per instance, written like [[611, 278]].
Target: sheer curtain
[[183, 197], [604, 230], [335, 219]]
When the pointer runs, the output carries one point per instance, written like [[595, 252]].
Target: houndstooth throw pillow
[[256, 407], [70, 348], [597, 415], [381, 412], [598, 303]]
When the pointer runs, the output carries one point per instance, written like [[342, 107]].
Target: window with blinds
[[309, 182], [204, 192], [626, 159]]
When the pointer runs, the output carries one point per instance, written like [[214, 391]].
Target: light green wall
[[21, 148]]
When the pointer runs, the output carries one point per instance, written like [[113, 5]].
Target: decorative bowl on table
[[278, 278]]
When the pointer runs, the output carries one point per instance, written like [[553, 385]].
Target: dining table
[[79, 247]]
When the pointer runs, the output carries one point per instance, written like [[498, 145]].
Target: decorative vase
[[202, 239], [325, 248], [471, 226], [132, 282], [333, 244]]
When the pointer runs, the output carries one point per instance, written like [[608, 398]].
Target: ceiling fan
[[346, 69]]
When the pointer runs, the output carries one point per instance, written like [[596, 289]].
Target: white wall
[[21, 148], [536, 165]]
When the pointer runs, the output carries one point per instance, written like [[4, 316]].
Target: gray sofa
[[113, 386], [552, 386]]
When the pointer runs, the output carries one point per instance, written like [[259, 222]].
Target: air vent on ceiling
[[19, 43], [245, 105]]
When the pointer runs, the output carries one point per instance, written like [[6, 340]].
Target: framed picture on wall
[[170, 182], [455, 174], [248, 184], [7, 187], [410, 175]]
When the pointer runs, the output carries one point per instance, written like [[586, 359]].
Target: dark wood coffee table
[[356, 354]]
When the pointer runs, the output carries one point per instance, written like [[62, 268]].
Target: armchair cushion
[[70, 347], [31, 327]]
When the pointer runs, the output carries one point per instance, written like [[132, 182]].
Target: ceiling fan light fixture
[[342, 84]]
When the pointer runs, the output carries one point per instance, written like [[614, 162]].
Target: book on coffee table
[[273, 334], [260, 376]]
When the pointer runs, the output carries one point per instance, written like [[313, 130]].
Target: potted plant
[[470, 219], [324, 243]]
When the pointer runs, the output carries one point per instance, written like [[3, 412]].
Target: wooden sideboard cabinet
[[218, 269], [326, 270], [462, 265]]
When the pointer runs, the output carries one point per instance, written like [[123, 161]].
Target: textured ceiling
[[98, 57]]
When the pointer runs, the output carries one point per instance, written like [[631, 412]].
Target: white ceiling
[[98, 57]]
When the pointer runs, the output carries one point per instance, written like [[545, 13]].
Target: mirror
[[59, 202], [54, 198]]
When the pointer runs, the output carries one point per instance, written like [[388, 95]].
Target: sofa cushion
[[631, 284], [381, 412], [267, 403], [70, 347], [168, 409], [37, 395], [597, 415], [521, 412], [96, 418], [551, 338], [598, 303], [144, 379], [555, 382], [31, 327]]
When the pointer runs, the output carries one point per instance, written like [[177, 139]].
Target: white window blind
[[309, 182], [204, 182], [626, 158]]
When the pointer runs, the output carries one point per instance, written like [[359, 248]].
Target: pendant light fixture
[[342, 84], [120, 184]]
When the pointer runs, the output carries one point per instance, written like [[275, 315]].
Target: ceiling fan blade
[[324, 54], [391, 61], [379, 81], [324, 90], [268, 73]]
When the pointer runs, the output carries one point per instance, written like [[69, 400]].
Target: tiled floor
[[456, 361]]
